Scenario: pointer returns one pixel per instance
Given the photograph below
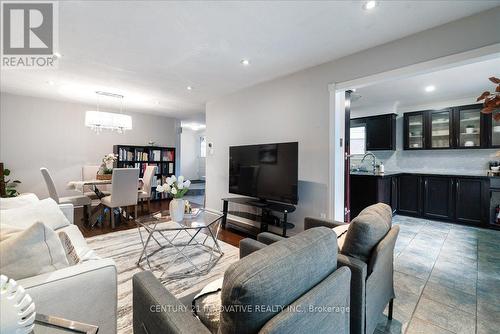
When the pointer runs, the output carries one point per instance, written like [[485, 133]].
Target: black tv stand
[[267, 217]]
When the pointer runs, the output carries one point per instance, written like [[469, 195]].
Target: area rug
[[125, 247]]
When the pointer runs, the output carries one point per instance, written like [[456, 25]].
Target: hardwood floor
[[228, 235]]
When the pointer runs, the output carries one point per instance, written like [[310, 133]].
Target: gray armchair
[[293, 276], [371, 280]]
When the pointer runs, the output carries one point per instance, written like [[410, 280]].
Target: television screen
[[268, 171]]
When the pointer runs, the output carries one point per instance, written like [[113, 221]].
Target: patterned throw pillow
[[207, 305], [69, 249]]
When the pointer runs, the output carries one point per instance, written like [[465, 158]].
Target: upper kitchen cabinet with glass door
[[469, 127], [414, 130], [441, 129]]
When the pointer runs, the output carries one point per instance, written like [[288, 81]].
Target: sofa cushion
[[366, 231], [207, 305], [256, 281], [46, 211], [18, 201], [32, 252]]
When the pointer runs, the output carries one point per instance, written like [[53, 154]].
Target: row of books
[[161, 168], [140, 155]]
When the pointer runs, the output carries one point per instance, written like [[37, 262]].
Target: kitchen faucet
[[374, 162]]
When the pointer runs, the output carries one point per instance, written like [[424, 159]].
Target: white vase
[[18, 309], [176, 208]]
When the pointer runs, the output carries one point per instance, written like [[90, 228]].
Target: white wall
[[38, 133], [190, 154], [296, 107]]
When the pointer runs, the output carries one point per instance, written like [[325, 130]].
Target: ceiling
[[150, 51], [460, 82]]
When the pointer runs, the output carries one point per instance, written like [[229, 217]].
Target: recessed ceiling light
[[245, 62], [368, 5], [189, 88], [57, 55], [157, 103], [51, 83], [429, 89]]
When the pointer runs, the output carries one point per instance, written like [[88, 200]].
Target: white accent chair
[[145, 192], [124, 185], [90, 173], [76, 201]]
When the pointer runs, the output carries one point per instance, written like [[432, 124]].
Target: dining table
[[96, 213]]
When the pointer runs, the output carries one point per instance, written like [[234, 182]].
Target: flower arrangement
[[107, 164], [177, 186]]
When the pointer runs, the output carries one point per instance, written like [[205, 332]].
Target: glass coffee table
[[45, 324], [201, 230]]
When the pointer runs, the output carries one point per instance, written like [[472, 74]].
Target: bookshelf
[[131, 156]]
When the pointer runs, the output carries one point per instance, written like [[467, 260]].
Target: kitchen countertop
[[424, 172]]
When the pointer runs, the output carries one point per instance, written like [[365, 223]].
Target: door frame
[[338, 123]]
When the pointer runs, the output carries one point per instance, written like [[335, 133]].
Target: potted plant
[[470, 129], [8, 187], [177, 187], [106, 169], [491, 100]]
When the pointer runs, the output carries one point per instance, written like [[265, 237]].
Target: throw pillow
[[46, 211], [341, 232], [70, 251], [207, 305], [7, 231], [32, 252], [366, 231], [83, 251]]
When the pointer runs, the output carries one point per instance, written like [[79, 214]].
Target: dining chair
[[145, 191], [124, 184], [89, 173], [77, 200]]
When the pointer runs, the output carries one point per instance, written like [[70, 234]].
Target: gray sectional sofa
[[303, 291], [367, 249]]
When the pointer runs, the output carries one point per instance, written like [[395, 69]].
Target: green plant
[[491, 100], [10, 186]]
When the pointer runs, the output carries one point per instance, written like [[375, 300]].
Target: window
[[358, 140], [203, 147]]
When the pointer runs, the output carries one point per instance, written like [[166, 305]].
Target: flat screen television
[[267, 171]]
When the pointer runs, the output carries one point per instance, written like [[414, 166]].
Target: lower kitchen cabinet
[[367, 190], [472, 201], [409, 194], [438, 197], [458, 199]]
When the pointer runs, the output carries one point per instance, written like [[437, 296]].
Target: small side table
[[45, 324]]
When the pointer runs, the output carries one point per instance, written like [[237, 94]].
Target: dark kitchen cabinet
[[380, 131], [367, 190], [438, 197], [394, 193], [440, 129], [414, 130], [410, 194], [472, 201], [469, 127], [459, 199], [462, 127]]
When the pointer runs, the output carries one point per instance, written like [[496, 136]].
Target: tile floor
[[447, 279]]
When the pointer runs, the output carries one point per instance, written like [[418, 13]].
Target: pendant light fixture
[[99, 120]]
